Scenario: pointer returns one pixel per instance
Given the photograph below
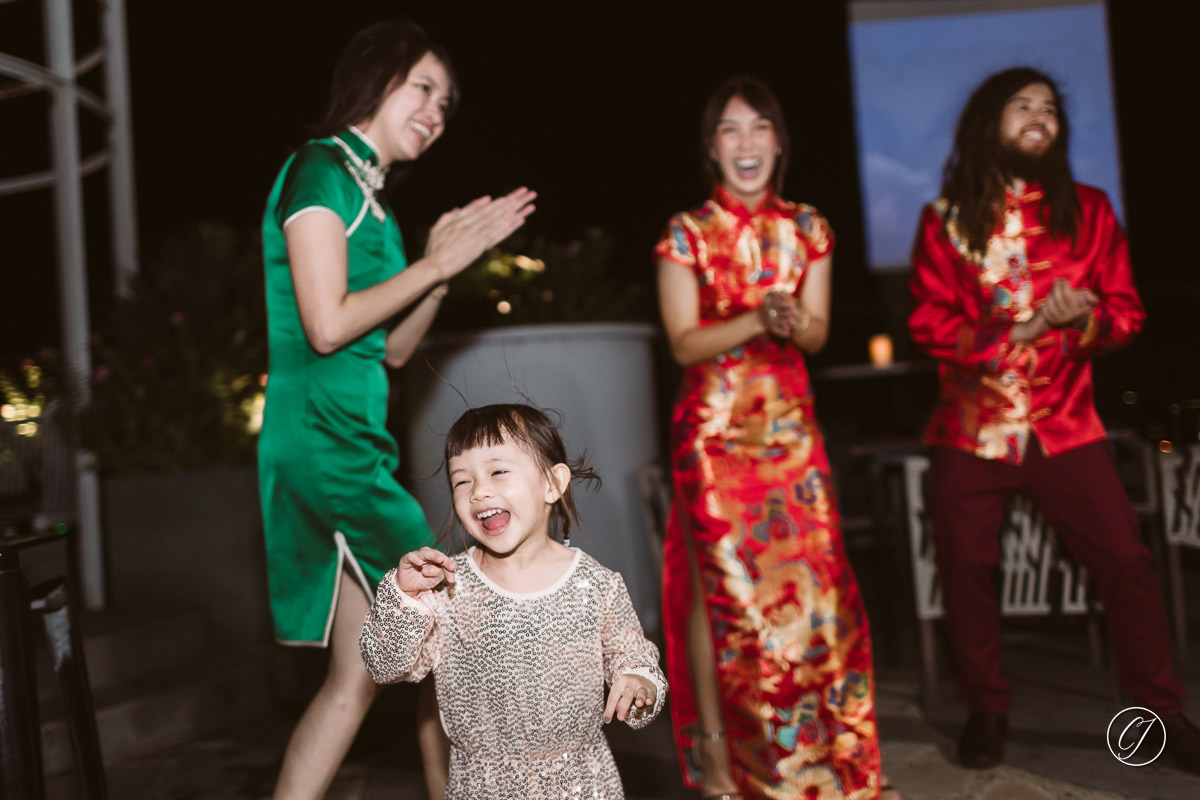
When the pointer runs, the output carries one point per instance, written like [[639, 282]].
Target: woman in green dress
[[341, 304]]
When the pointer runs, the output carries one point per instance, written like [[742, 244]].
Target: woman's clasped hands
[[461, 235], [780, 314]]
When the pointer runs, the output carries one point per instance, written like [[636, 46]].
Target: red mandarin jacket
[[996, 392]]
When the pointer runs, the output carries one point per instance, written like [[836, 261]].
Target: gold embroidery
[[1093, 328]]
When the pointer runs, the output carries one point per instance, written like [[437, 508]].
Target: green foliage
[[23, 409], [528, 281], [178, 362]]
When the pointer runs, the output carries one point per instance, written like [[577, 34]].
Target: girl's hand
[[629, 690], [461, 235], [424, 570], [779, 313]]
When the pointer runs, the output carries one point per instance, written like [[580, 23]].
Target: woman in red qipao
[[768, 650]]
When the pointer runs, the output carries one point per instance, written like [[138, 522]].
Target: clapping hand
[[779, 313], [1067, 306], [424, 570], [461, 235], [629, 690]]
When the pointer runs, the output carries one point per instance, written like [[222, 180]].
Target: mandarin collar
[[1030, 192], [728, 202], [361, 157], [360, 145]]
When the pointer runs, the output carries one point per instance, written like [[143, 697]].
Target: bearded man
[[1020, 277]]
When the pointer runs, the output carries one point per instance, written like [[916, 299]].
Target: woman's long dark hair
[[369, 64], [974, 178], [759, 97]]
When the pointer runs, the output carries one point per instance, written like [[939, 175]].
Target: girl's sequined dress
[[520, 677]]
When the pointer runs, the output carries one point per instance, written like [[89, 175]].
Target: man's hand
[[1067, 306]]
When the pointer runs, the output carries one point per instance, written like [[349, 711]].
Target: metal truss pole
[[72, 274], [120, 144]]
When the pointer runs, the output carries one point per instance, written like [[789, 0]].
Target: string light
[[530, 264], [253, 409]]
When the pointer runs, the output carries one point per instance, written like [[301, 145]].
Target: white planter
[[600, 376]]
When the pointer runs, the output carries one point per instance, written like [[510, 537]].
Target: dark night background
[[593, 105]]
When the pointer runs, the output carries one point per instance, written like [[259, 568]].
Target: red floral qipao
[[753, 494], [995, 392]]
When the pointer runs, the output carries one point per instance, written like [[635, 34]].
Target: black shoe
[[981, 744], [1183, 742]]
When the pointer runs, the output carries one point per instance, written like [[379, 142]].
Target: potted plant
[[173, 416], [549, 323]]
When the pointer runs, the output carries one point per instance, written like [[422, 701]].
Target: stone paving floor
[[1057, 762], [1062, 703]]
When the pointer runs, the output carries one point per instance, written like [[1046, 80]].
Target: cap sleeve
[[678, 242], [316, 180], [815, 231]]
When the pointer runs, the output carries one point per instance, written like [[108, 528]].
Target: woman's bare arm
[[333, 316], [679, 302]]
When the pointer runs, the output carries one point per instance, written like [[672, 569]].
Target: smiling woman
[[341, 303], [765, 628], [412, 116]]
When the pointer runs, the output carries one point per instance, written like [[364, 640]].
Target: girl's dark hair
[[759, 97], [532, 430], [368, 66], [974, 178]]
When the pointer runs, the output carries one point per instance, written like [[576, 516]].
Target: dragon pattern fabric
[[754, 505]]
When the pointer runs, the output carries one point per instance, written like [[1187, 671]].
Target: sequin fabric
[[754, 503], [520, 677], [996, 392]]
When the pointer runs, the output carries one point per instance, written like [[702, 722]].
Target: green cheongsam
[[326, 461]]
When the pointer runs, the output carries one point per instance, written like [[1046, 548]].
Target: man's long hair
[[975, 176]]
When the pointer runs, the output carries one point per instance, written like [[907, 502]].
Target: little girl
[[521, 631]]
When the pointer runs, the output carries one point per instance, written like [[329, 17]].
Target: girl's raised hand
[[461, 235], [424, 570], [628, 690]]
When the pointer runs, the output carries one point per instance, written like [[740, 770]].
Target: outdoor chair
[[1179, 484]]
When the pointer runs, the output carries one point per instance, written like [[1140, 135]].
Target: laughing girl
[[521, 631]]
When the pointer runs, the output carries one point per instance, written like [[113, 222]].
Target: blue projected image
[[912, 76]]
